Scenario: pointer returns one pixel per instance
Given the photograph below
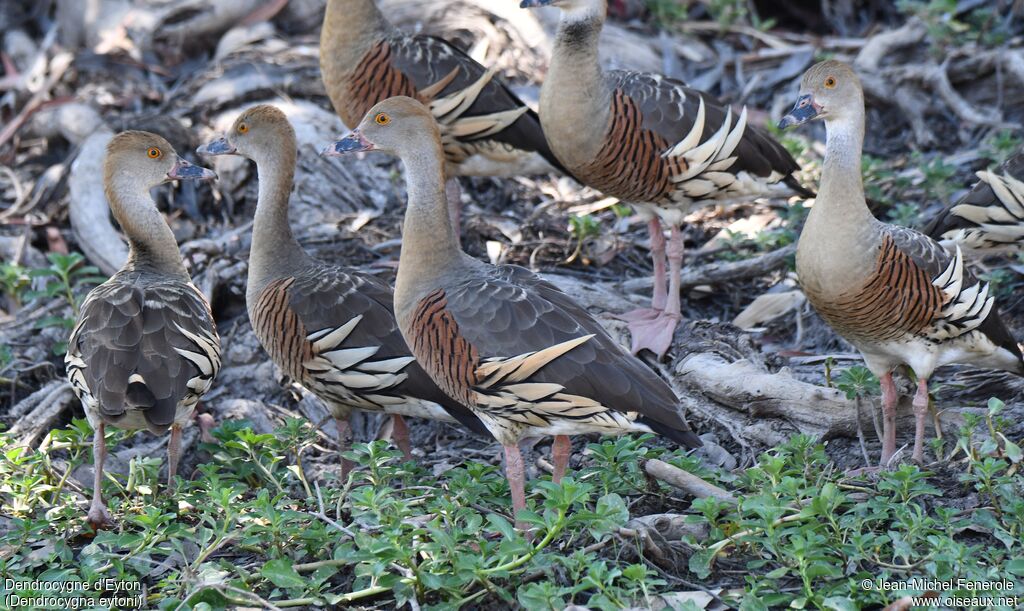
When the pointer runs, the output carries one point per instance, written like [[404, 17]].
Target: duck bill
[[184, 170], [220, 146], [534, 3], [804, 110], [355, 142]]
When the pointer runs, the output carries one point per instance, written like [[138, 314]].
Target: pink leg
[[658, 257], [920, 416], [660, 293], [453, 192], [344, 444], [675, 252], [400, 435], [98, 515], [656, 333], [561, 447], [516, 481], [173, 456], [889, 399]]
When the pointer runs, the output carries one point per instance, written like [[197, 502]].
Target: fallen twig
[[42, 408], [686, 481]]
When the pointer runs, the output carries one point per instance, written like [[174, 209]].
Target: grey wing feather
[[930, 256], [670, 108], [510, 311], [326, 297], [427, 59], [146, 343], [1005, 215]]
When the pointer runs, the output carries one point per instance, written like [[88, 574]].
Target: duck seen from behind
[[513, 348], [653, 142], [894, 293], [990, 217], [329, 328], [485, 129], [144, 349]]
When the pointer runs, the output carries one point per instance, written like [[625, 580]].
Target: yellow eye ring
[[382, 118], [154, 153], [242, 128], [830, 82]]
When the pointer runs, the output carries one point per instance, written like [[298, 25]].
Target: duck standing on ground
[[508, 345], [329, 328], [144, 348], [894, 293], [990, 217], [652, 142], [485, 129]]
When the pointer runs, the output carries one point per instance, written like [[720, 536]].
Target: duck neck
[[429, 247], [354, 17], [576, 44], [841, 196], [274, 252], [574, 98], [351, 29], [151, 243]]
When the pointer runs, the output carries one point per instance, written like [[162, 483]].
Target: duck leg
[[656, 333], [400, 435], [889, 400], [98, 515], [344, 445], [636, 318], [173, 455], [561, 447], [920, 417], [660, 294], [516, 482], [453, 192]]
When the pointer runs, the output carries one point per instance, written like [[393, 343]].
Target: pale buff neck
[[274, 252], [837, 247], [575, 100], [350, 29], [354, 18], [429, 246], [151, 243], [841, 195]]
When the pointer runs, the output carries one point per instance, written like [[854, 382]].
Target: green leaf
[[1011, 449], [995, 406], [502, 525], [282, 574], [700, 563], [1016, 566]]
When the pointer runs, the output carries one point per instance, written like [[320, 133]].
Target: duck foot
[[651, 329], [98, 517]]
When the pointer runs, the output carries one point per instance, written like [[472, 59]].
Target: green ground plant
[[64, 278], [249, 528]]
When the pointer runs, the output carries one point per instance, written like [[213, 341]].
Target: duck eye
[[154, 153], [382, 118], [242, 128], [830, 82]]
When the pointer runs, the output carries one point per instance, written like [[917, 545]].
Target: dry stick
[[937, 77], [881, 45], [53, 398], [860, 433], [686, 481], [322, 514], [58, 65], [725, 272]]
